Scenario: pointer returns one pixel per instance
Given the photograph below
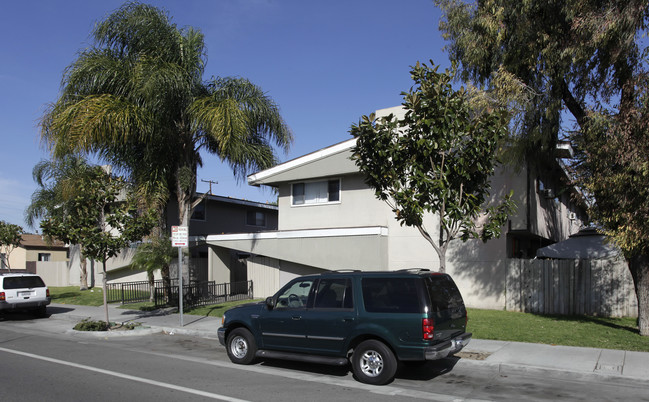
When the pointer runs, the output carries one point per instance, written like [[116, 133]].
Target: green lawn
[[586, 331], [597, 332], [72, 295]]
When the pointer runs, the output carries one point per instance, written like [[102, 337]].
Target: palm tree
[[137, 99], [58, 181], [153, 255]]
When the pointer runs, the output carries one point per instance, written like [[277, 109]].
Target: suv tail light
[[2, 296], [428, 328], [47, 292]]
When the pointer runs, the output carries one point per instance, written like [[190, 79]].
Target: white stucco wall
[[357, 208]]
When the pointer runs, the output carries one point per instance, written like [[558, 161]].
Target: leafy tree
[[99, 221], [438, 159], [10, 237], [57, 182], [579, 69], [153, 255], [137, 98]]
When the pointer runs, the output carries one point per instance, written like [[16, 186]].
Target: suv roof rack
[[414, 270], [340, 271]]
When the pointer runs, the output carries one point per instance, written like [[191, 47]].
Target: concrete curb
[[143, 332], [507, 369], [114, 334]]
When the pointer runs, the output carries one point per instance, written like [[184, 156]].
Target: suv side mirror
[[270, 303]]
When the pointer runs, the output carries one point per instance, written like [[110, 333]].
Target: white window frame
[[318, 199]]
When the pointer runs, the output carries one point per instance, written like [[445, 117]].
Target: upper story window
[[44, 256], [316, 192], [256, 218], [199, 212]]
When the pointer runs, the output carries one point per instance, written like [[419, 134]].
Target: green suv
[[371, 319]]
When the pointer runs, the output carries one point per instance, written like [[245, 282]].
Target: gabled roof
[[330, 161], [38, 241], [239, 201]]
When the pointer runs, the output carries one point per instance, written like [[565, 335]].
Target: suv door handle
[[350, 319], [296, 317]]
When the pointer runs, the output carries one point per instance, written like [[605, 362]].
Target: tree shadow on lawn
[[603, 321]]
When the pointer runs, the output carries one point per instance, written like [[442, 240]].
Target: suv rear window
[[444, 295], [20, 282], [390, 295]]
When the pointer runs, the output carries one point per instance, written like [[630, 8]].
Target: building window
[[256, 218], [316, 192], [44, 256], [199, 212]]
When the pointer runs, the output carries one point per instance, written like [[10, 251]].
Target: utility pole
[[211, 182]]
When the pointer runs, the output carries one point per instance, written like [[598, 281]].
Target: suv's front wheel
[[241, 346], [374, 363]]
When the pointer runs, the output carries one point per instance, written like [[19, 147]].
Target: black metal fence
[[204, 293], [194, 294], [132, 292]]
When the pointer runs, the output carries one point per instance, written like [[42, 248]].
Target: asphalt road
[[42, 366]]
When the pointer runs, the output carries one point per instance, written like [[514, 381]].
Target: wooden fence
[[567, 287]]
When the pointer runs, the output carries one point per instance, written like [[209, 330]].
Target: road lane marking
[[126, 376]]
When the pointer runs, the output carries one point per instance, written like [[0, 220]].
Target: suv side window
[[390, 295], [334, 293], [444, 294], [294, 296]]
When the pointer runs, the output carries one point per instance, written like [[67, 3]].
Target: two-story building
[[329, 219], [34, 248], [215, 214]]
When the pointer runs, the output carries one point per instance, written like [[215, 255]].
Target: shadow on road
[[417, 371], [426, 370], [51, 310], [20, 316]]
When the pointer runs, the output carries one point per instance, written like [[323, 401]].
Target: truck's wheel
[[374, 363], [241, 346]]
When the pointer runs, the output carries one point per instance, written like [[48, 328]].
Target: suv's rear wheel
[[241, 346], [374, 363]]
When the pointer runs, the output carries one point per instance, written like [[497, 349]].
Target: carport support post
[[180, 283]]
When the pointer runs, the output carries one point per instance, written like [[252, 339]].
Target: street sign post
[[180, 239]]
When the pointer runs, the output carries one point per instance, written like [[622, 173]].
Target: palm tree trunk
[[151, 287], [166, 282], [185, 191]]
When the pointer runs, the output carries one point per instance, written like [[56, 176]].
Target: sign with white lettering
[[179, 236]]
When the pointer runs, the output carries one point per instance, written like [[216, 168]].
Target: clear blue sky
[[325, 63]]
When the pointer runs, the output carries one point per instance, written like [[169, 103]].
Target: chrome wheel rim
[[371, 363], [239, 347]]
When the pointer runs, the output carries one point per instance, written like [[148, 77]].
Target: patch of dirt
[[473, 355]]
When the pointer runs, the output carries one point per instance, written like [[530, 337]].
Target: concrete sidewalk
[[505, 358]]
